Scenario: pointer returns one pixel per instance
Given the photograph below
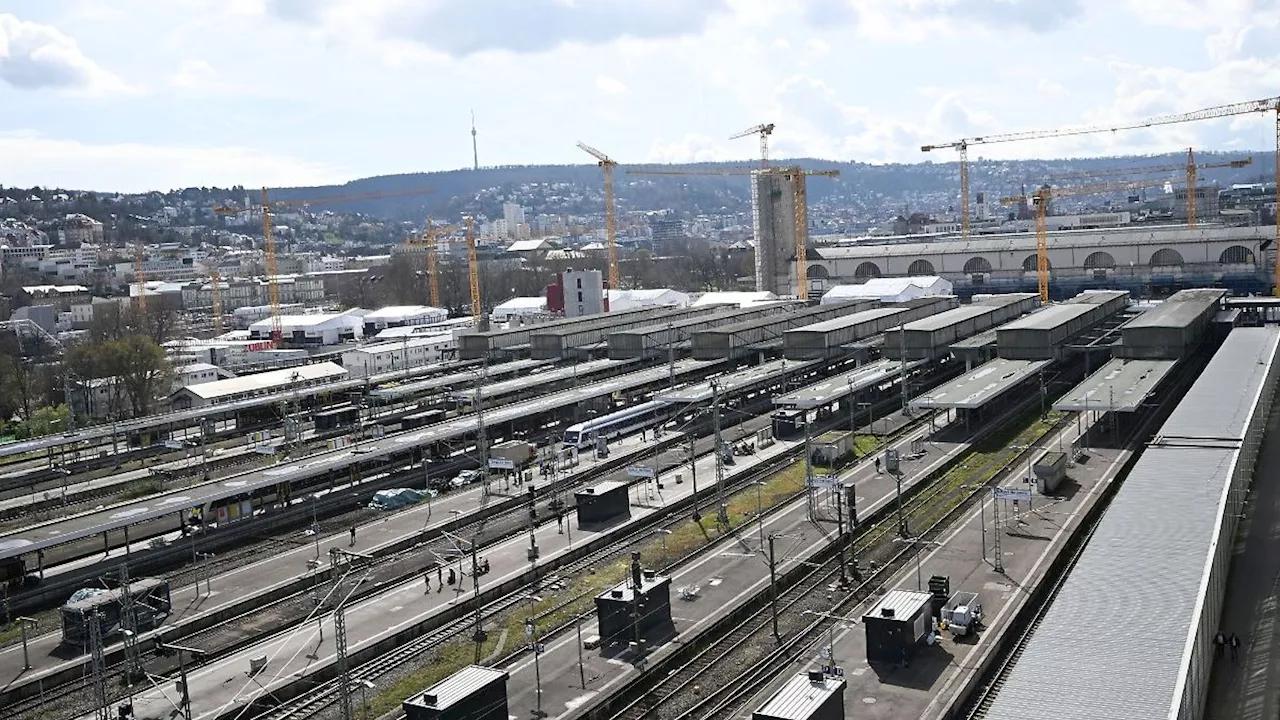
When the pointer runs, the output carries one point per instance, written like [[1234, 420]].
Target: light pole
[[27, 623], [315, 523], [531, 632], [871, 428]]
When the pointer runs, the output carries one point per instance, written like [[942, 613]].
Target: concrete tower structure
[[773, 211]]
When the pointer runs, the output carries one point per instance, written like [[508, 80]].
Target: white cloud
[[610, 85], [194, 74], [33, 159], [35, 56]]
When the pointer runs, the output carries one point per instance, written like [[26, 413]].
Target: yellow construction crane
[[269, 243], [1266, 105], [140, 276], [1191, 168], [607, 164], [473, 269], [430, 238], [796, 176], [1040, 199], [215, 281], [764, 130]]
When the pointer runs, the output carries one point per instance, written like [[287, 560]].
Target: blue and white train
[[584, 434]]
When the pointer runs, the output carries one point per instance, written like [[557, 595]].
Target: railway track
[[324, 694], [692, 683], [235, 633]]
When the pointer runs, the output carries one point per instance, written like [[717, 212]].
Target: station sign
[[1015, 494], [640, 471], [173, 444], [502, 464], [824, 482]]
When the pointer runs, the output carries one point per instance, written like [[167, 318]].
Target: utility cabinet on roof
[[897, 625], [603, 503], [808, 696], [472, 693]]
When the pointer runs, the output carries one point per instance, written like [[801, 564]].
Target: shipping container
[[422, 419], [472, 693], [897, 625], [616, 610], [808, 696], [338, 418], [602, 504], [151, 605]]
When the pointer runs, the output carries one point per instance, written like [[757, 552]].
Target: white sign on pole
[[1015, 494], [173, 444], [827, 482], [639, 471], [501, 464]]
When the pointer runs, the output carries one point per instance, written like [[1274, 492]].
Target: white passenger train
[[584, 434]]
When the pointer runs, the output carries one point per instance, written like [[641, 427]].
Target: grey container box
[[1050, 469]]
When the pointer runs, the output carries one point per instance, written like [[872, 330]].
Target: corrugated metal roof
[[980, 385], [850, 320], [1049, 317], [459, 686], [1120, 385], [800, 697], [1117, 633], [1218, 409], [1180, 310], [904, 603], [266, 381], [951, 317]]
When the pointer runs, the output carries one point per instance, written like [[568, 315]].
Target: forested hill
[[576, 189]]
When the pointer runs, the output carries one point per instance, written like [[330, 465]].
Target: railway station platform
[[729, 571], [980, 386], [742, 381], [1119, 386], [938, 675], [91, 526], [222, 686], [1248, 688], [285, 568]]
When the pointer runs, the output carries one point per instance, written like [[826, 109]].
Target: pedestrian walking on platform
[[1219, 644], [559, 522], [1234, 642], [440, 578], [353, 536], [426, 580]]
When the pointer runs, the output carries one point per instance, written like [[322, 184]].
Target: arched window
[[921, 267], [1236, 255], [1029, 264], [977, 265], [867, 270], [818, 272], [1166, 257], [1098, 260]]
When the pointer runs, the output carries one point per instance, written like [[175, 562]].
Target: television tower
[[475, 156]]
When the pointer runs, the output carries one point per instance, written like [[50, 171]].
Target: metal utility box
[[808, 696], [789, 423], [617, 612], [517, 451], [603, 503], [472, 693], [832, 447], [897, 625], [1049, 470]]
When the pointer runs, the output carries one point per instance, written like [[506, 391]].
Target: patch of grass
[[10, 632], [866, 443], [141, 488], [577, 593]]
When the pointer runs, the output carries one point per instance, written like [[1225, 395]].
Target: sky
[[134, 95]]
